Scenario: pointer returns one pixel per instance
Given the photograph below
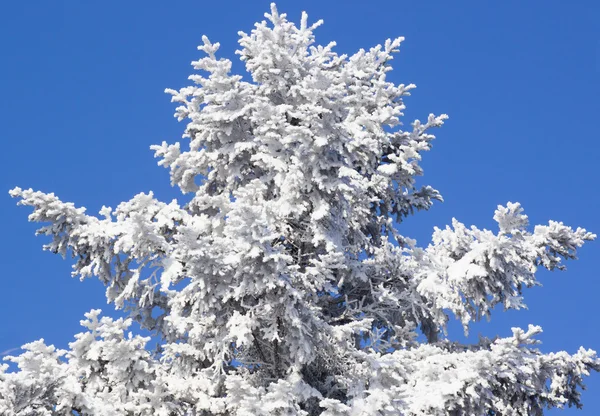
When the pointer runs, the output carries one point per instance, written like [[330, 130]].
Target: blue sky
[[82, 100]]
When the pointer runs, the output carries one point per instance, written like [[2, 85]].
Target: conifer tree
[[283, 286]]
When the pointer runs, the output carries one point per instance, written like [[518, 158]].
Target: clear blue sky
[[82, 100]]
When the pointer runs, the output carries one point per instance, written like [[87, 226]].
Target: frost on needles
[[283, 285]]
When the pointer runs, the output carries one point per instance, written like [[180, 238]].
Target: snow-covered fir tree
[[282, 286]]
